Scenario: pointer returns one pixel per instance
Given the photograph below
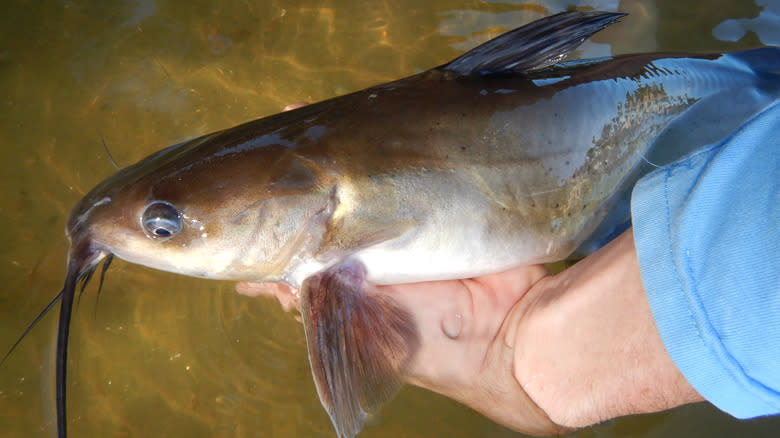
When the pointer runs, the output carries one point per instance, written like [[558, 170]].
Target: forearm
[[587, 348], [707, 239]]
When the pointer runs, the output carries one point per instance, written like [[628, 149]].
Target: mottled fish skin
[[502, 157]]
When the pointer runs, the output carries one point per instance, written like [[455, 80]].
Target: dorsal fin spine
[[534, 46]]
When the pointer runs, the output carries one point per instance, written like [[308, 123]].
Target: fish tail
[[359, 343]]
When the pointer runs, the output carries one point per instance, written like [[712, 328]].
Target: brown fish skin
[[437, 160], [497, 159]]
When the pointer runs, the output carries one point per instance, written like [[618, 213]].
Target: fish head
[[229, 205], [216, 207]]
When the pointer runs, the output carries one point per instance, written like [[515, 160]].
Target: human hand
[[467, 341], [542, 354]]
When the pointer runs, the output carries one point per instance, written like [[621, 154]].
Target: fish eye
[[161, 220]]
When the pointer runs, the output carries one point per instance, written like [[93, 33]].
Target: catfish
[[506, 156]]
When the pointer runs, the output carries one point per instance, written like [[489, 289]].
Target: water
[[161, 355]]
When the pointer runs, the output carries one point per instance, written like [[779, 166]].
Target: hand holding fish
[[631, 328], [463, 352], [604, 338], [468, 341], [541, 353], [538, 353]]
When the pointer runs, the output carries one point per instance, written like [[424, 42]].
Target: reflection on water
[[764, 25], [163, 355]]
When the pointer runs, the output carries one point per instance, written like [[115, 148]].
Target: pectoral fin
[[359, 343]]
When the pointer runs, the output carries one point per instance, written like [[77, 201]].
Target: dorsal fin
[[534, 46]]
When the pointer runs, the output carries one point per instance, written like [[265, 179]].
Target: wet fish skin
[[496, 156], [470, 168]]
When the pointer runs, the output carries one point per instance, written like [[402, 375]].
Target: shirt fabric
[[706, 233]]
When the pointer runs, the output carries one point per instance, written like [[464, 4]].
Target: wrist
[[588, 349]]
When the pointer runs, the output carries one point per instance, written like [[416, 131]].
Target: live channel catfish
[[502, 157]]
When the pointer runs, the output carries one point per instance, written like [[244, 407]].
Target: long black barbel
[[66, 296], [51, 304], [32, 324], [76, 274], [63, 329]]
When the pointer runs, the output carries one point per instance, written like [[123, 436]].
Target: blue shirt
[[706, 233]]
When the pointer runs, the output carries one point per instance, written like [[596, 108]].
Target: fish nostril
[[161, 220]]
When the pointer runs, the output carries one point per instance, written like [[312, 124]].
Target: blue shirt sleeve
[[706, 233]]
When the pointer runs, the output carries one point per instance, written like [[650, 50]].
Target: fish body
[[502, 157], [430, 177]]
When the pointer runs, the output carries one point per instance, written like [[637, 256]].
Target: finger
[[287, 296], [295, 105]]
